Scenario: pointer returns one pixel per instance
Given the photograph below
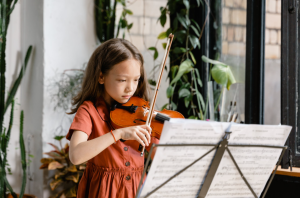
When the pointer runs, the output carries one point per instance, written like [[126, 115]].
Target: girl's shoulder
[[93, 109], [86, 105]]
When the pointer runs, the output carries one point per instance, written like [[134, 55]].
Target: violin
[[138, 112]]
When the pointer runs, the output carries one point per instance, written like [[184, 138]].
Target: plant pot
[[24, 196]]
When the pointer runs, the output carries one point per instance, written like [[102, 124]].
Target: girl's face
[[121, 81]]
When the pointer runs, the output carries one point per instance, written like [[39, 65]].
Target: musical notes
[[256, 163]]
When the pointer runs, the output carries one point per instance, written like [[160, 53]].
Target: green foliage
[[105, 16], [221, 72], [185, 79], [23, 154], [6, 8]]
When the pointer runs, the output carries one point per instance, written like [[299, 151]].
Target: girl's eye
[[121, 80]]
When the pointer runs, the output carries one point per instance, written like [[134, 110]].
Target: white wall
[[63, 36]]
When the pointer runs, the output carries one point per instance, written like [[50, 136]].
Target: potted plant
[[65, 181], [7, 8]]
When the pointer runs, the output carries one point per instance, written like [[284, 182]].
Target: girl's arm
[[82, 150]]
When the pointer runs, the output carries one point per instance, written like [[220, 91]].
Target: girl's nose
[[130, 86]]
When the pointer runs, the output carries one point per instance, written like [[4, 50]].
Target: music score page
[[255, 163]]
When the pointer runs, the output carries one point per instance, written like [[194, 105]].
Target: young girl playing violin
[[114, 73]]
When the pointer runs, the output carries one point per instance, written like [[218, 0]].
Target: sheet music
[[255, 163]]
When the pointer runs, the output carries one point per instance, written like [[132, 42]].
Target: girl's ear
[[101, 78]]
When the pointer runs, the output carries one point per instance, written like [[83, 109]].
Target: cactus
[[6, 8], [23, 154]]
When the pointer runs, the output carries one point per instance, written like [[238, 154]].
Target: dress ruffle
[[101, 182]]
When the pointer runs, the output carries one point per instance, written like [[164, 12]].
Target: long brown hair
[[103, 59]]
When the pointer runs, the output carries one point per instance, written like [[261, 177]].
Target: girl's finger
[[137, 138], [143, 137], [148, 128], [147, 134]]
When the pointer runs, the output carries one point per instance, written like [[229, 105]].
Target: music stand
[[220, 150]]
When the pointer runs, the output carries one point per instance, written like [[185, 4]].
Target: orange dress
[[117, 170]]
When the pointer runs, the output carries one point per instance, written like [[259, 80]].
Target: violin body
[[135, 112]]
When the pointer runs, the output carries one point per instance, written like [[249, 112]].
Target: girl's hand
[[139, 133]]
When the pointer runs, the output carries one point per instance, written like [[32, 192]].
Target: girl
[[114, 73]]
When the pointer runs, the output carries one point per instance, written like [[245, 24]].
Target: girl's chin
[[123, 100]]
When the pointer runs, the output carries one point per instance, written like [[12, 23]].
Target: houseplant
[[7, 7], [185, 79], [67, 176]]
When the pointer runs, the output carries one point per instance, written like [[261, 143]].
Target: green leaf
[[184, 93], [170, 91], [129, 26], [152, 82], [187, 4], [164, 45], [193, 58], [174, 106], [162, 35], [185, 67], [155, 52], [173, 71], [185, 77], [128, 12], [155, 55], [16, 85], [214, 62], [198, 77], [193, 117], [163, 19], [179, 50], [164, 107], [58, 137], [182, 20], [194, 41], [201, 99], [196, 24], [169, 31], [221, 72], [123, 23], [187, 100], [223, 75], [195, 30]]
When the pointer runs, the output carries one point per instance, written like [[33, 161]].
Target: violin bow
[[151, 109]]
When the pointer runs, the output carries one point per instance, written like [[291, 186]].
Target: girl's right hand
[[139, 133]]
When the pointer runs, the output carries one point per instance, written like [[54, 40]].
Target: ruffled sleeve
[[82, 121]]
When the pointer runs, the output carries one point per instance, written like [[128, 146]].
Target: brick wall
[[143, 35], [273, 26], [234, 28]]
